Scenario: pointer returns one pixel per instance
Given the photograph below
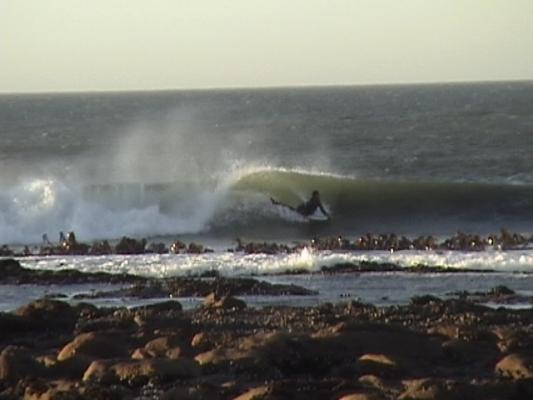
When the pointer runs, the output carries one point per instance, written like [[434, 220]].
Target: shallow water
[[513, 269]]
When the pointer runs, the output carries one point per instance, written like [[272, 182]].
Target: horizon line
[[262, 87]]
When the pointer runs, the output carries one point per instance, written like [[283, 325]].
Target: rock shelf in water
[[505, 240]]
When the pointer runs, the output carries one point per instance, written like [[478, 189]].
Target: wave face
[[240, 205]]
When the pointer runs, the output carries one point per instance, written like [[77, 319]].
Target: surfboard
[[317, 217]]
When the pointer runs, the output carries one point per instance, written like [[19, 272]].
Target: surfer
[[308, 208]]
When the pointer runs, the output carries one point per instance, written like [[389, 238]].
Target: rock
[[425, 389], [59, 390], [71, 368], [377, 364], [361, 396], [374, 382], [16, 363], [501, 290], [11, 325], [164, 306], [471, 353], [100, 371], [139, 372], [130, 246], [257, 393], [515, 366], [10, 268], [193, 393], [94, 344], [447, 330], [50, 315], [161, 346], [213, 301], [202, 341], [140, 354], [424, 300], [157, 248]]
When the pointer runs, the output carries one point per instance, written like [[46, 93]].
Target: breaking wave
[[239, 204]]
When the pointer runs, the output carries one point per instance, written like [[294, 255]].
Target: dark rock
[[17, 363], [213, 301], [49, 315], [130, 246], [94, 344]]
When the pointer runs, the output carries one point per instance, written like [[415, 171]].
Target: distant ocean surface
[[203, 165]]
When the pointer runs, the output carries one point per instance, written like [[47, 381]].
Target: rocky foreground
[[428, 349]]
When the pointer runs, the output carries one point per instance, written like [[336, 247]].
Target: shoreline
[[429, 348]]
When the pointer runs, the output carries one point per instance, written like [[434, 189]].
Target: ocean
[[203, 165]]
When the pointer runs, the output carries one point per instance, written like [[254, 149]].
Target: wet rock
[[425, 300], [59, 390], [377, 364], [194, 393], [17, 363], [260, 392], [214, 301], [515, 366], [5, 251], [362, 396], [195, 248], [10, 267], [425, 389], [138, 372], [202, 341], [49, 315], [379, 384], [101, 248], [157, 248], [501, 291], [164, 306], [70, 368], [100, 371], [471, 353], [128, 245], [94, 344], [177, 247], [14, 273], [163, 346]]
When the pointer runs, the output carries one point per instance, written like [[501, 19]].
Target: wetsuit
[[310, 207]]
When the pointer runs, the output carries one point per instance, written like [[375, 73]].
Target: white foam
[[231, 264], [38, 206]]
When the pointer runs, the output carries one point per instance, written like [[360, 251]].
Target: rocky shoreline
[[428, 349], [224, 349]]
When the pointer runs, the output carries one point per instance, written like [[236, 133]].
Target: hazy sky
[[56, 45]]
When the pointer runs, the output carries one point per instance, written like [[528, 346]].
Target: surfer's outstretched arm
[[277, 203], [323, 210]]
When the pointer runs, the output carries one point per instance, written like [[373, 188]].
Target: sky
[[79, 45]]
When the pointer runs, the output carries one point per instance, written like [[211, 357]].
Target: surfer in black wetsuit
[[309, 207]]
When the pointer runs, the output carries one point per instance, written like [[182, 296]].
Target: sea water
[[203, 165]]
